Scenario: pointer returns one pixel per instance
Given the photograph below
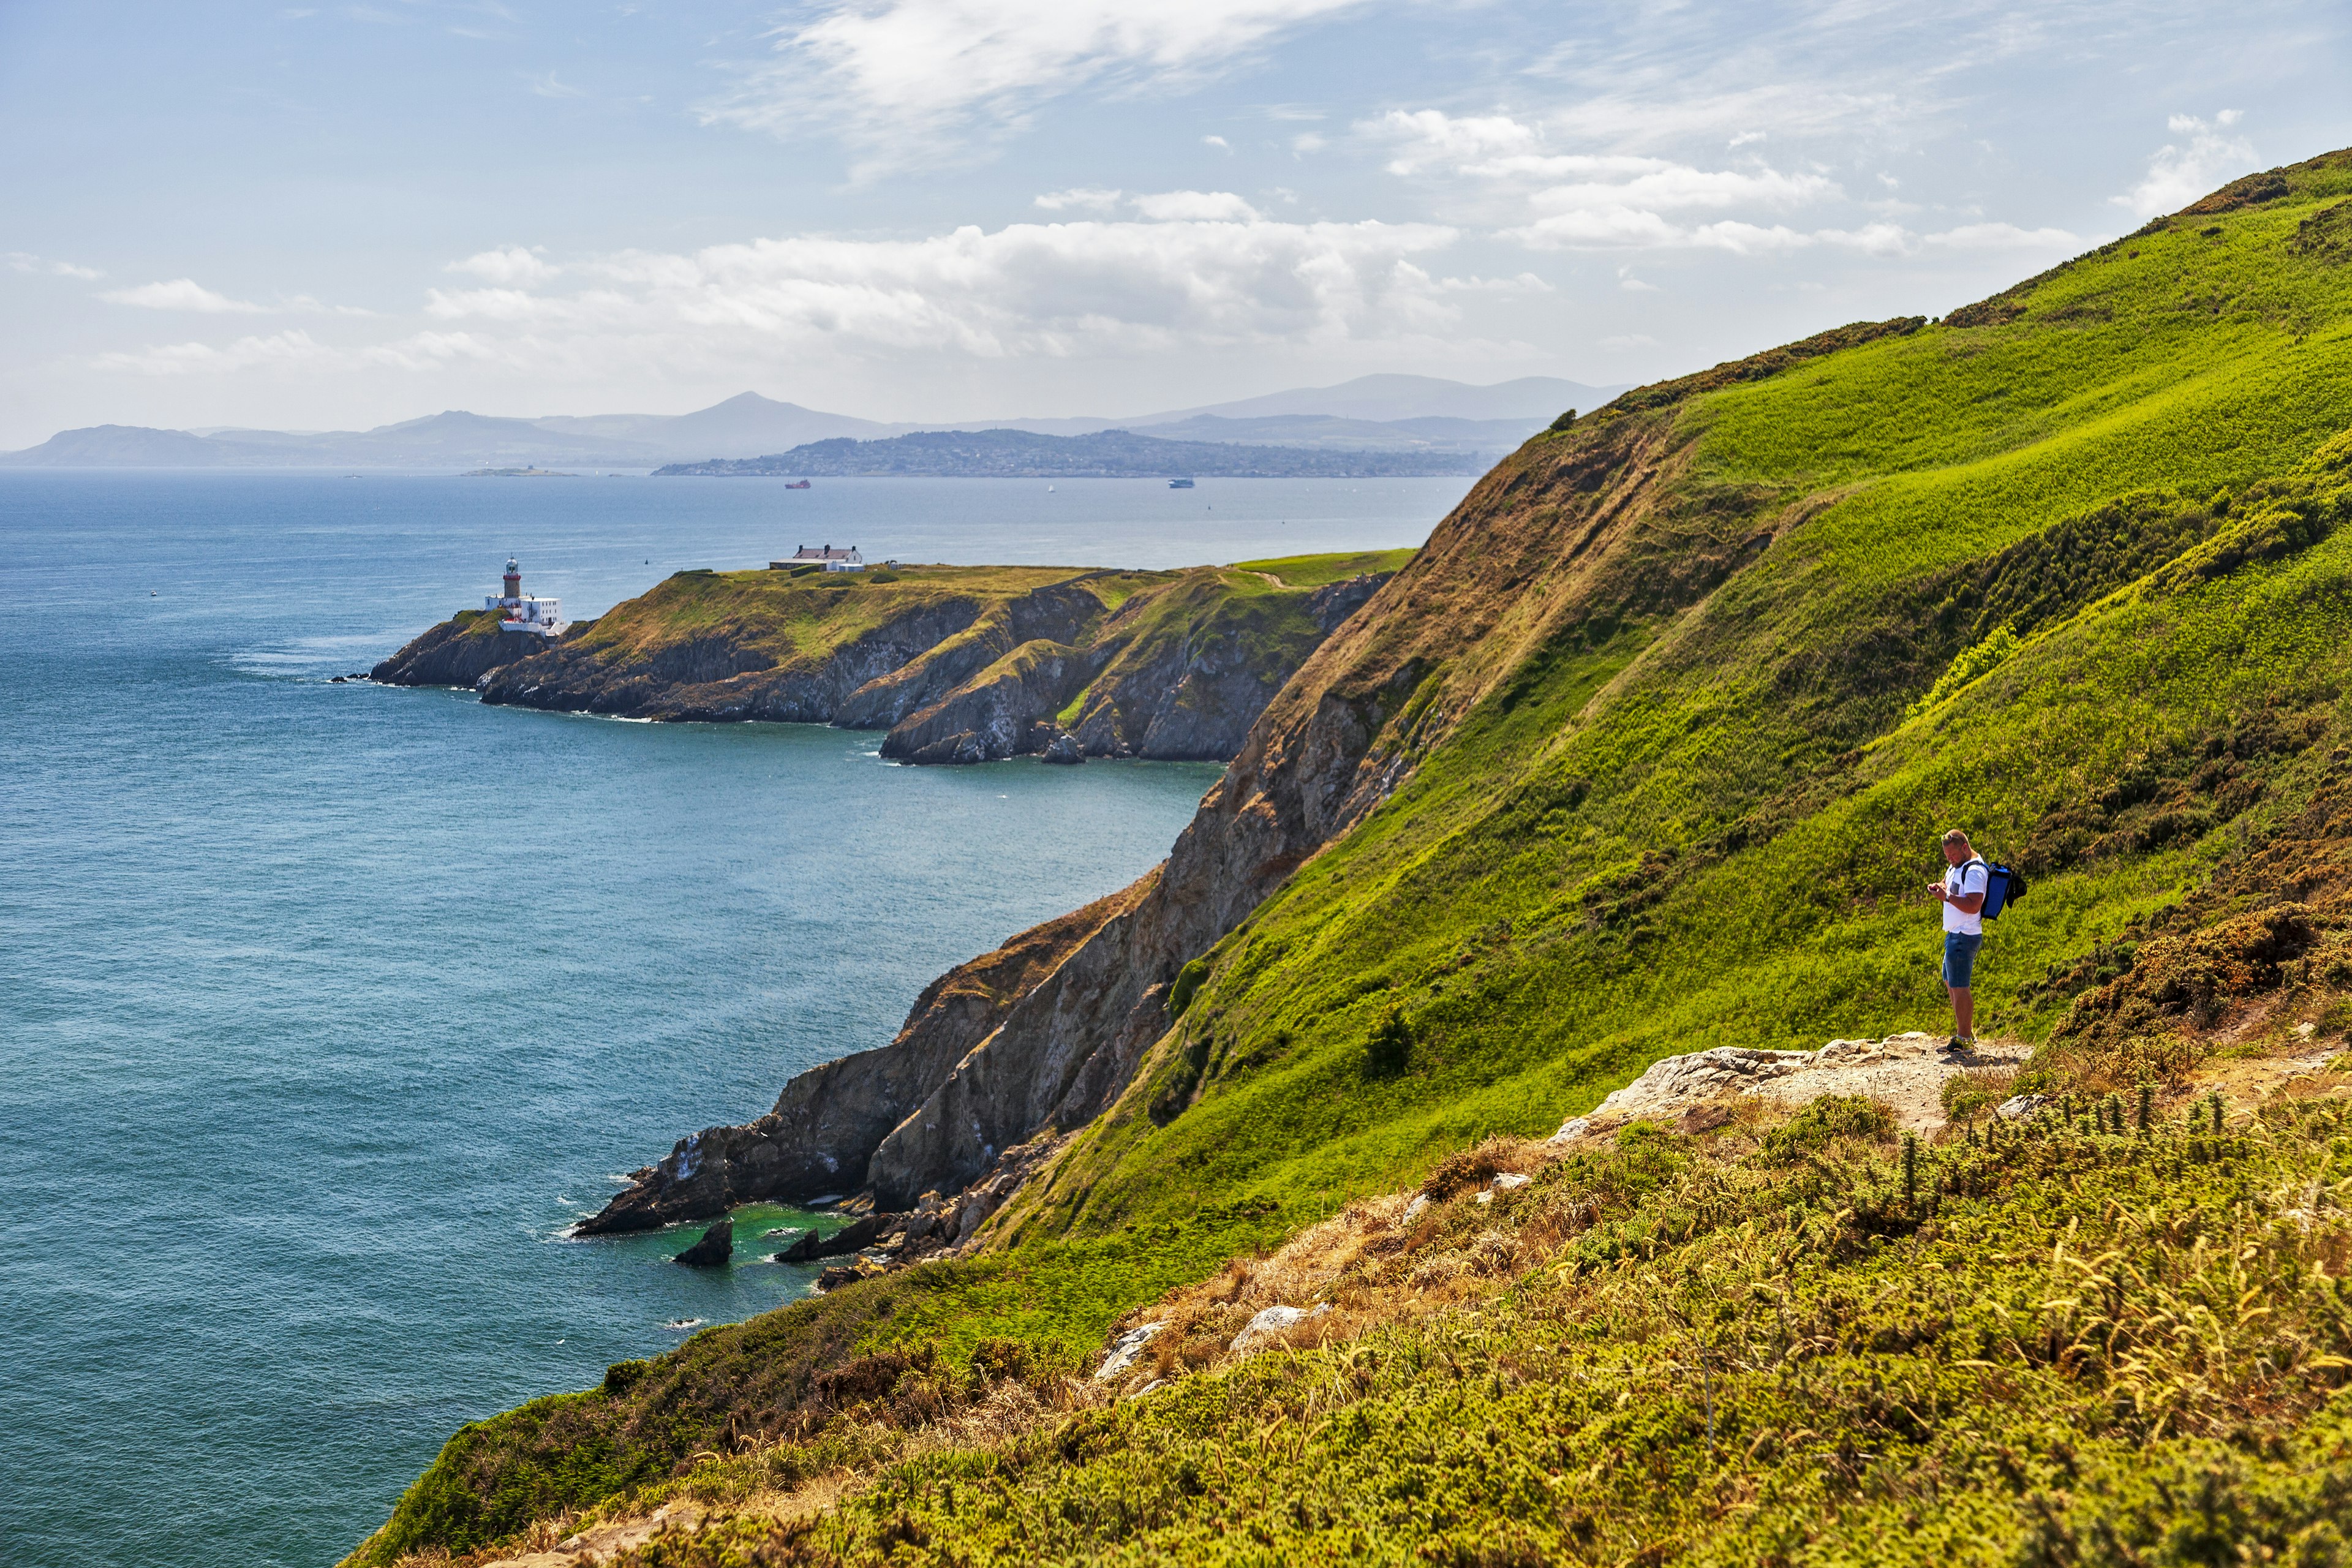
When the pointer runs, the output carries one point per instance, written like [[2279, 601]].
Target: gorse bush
[[1827, 1120], [1387, 1050]]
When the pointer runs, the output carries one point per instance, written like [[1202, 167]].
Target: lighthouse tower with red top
[[522, 614]]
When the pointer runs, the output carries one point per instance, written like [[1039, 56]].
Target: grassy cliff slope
[[1647, 751]]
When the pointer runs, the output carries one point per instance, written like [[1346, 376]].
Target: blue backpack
[[2003, 887]]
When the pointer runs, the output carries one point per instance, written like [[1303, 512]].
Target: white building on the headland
[[531, 616], [833, 560]]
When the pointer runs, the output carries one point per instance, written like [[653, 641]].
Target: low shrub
[[1823, 1121], [1188, 984], [1387, 1050]]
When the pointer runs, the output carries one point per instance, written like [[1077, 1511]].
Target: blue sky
[[337, 215]]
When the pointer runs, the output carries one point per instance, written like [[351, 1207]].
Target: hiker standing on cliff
[[1962, 894]]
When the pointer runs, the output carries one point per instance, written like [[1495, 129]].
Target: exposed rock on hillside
[[1905, 1072]]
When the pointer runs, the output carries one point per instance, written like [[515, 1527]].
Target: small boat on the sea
[[798, 485], [1180, 484]]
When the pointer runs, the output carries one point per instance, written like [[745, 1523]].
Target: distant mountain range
[[1100, 454], [1390, 415]]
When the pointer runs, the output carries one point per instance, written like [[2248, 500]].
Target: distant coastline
[[1391, 415], [1106, 454]]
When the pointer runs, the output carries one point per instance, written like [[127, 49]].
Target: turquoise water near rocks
[[324, 1009]]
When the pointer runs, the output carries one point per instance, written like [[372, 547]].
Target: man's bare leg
[[1964, 1011]]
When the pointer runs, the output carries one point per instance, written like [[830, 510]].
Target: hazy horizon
[[933, 211]]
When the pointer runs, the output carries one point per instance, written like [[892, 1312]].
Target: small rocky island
[[959, 664]]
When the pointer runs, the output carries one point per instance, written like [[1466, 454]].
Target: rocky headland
[[956, 664]]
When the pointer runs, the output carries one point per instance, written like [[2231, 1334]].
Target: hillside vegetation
[[1647, 751]]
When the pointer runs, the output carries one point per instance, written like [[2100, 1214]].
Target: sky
[[339, 216]]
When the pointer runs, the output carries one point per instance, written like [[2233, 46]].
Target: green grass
[[1315, 570], [795, 619], [1695, 806]]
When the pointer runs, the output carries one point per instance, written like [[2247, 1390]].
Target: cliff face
[[828, 1121]]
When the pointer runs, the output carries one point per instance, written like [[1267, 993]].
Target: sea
[[326, 1009]]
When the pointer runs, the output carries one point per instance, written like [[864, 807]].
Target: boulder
[[834, 1278], [1270, 1323], [1063, 748], [717, 1246], [1125, 1349], [849, 1238]]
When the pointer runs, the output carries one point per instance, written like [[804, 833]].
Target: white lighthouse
[[522, 614]]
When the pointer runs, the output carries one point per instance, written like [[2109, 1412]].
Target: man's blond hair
[[1957, 836]]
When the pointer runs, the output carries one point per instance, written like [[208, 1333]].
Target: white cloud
[[511, 265], [1217, 142], [1551, 200], [2180, 173], [1585, 200], [902, 73], [25, 261], [428, 351], [1084, 196], [1057, 290], [181, 294], [2003, 236], [1196, 206], [280, 349]]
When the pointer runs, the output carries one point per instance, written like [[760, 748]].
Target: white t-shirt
[[1960, 881]]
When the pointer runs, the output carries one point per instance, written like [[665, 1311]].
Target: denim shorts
[[1961, 957]]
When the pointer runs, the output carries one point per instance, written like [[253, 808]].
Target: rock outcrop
[[857, 1234], [1907, 1072], [717, 1246], [461, 651]]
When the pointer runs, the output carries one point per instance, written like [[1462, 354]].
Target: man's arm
[[1970, 903]]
